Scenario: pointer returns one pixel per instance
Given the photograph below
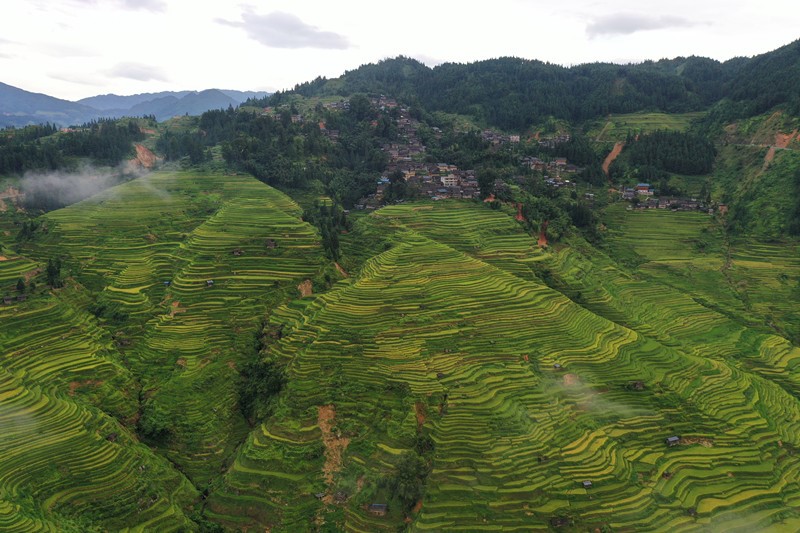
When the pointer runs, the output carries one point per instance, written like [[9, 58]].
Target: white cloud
[[628, 23], [285, 30], [136, 71]]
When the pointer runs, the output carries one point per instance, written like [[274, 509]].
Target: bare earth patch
[[769, 157], [342, 271], [612, 156], [3, 258], [782, 140], [688, 441], [181, 362], [571, 380], [421, 412], [75, 385], [542, 242], [29, 275], [335, 446], [306, 288], [176, 308], [145, 157]]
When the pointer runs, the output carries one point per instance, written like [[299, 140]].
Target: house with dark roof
[[378, 509]]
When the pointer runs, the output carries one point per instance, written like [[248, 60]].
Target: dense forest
[[43, 147]]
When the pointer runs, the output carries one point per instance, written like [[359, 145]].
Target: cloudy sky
[[77, 48]]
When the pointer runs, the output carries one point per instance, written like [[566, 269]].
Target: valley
[[497, 296]]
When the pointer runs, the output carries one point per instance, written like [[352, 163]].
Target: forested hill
[[512, 93]]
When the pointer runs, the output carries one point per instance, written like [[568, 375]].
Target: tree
[[20, 285], [53, 272], [154, 423], [486, 178], [409, 479], [259, 381]]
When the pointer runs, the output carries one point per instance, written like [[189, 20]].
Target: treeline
[[21, 150], [106, 141], [45, 148], [513, 93]]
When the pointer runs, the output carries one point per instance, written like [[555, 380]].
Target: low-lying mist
[[56, 189]]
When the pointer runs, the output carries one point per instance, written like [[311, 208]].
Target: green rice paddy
[[442, 329], [617, 127]]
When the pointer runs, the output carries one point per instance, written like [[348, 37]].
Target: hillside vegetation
[[434, 324]]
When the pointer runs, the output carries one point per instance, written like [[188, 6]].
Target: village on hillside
[[442, 180]]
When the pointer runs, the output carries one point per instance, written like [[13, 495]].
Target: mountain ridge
[[19, 107]]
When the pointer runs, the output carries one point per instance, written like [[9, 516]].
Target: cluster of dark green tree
[[21, 149], [671, 151], [513, 93], [555, 211], [176, 145], [290, 153], [43, 147], [331, 221]]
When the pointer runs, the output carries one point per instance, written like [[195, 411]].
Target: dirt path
[[603, 131], [768, 158], [341, 270], [335, 446], [612, 156]]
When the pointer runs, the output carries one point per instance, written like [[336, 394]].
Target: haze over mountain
[[19, 107]]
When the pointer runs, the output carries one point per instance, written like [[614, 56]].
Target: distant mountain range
[[19, 107]]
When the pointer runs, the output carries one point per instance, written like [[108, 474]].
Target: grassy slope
[[442, 327], [178, 345], [617, 127], [431, 326], [754, 282]]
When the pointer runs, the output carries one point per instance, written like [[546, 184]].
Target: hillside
[[442, 363], [503, 296], [513, 93], [130, 360]]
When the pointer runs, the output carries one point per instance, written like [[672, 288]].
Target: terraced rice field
[[526, 391], [768, 278], [757, 282], [616, 127], [493, 238], [68, 462], [426, 328], [12, 268], [76, 384]]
